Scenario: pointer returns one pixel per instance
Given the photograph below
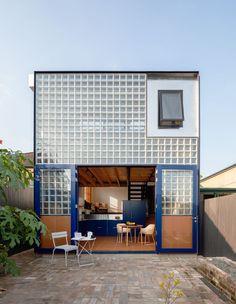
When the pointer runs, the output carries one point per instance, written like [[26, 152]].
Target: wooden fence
[[23, 198], [220, 226]]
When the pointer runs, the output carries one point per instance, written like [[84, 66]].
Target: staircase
[[137, 190]]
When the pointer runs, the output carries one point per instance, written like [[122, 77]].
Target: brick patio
[[115, 278]]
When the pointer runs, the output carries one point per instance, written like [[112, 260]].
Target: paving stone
[[114, 279]]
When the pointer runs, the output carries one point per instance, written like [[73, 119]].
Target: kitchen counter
[[101, 216]]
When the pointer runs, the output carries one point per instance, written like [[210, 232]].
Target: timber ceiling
[[114, 176]]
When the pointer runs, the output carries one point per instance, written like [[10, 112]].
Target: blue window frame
[[73, 188]]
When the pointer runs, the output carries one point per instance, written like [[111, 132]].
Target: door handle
[[195, 219]]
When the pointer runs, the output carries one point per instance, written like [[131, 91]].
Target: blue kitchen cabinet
[[98, 227], [135, 211]]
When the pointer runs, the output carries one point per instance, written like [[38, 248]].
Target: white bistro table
[[85, 244]]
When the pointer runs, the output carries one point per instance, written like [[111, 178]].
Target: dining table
[[134, 227]]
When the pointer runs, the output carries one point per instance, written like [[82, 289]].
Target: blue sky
[[122, 35]]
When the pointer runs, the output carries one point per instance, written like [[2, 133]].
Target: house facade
[[96, 132]]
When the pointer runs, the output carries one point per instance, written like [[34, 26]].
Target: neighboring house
[[225, 178], [118, 142], [23, 198]]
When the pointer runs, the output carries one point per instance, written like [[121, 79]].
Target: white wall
[[81, 196], [190, 89], [113, 196]]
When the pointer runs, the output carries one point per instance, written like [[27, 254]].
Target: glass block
[[54, 183], [177, 200], [108, 106]]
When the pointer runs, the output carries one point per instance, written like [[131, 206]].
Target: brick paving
[[115, 278]]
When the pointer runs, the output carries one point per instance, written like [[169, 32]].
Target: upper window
[[170, 109]]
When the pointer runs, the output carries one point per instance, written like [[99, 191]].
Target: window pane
[[171, 106]]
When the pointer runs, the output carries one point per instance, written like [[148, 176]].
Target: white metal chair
[[121, 231], [147, 231], [65, 247]]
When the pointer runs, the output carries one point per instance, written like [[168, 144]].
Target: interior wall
[[81, 196], [113, 196]]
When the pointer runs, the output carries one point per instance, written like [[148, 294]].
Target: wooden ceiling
[[114, 176]]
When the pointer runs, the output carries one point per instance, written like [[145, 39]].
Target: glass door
[[176, 208], [55, 193]]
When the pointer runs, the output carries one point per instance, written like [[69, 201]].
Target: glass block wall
[[55, 192], [100, 118], [177, 195]]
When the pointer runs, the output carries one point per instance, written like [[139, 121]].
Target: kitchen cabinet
[[112, 230], [135, 211], [99, 227]]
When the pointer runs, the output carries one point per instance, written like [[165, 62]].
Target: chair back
[[119, 228], [89, 234], [59, 235], [150, 229]]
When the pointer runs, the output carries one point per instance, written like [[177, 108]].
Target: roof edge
[[217, 173], [119, 71]]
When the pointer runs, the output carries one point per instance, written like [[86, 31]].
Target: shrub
[[169, 285], [17, 227]]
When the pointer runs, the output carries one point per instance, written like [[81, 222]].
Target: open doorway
[[110, 196]]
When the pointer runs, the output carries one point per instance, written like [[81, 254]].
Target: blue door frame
[[74, 191], [195, 210]]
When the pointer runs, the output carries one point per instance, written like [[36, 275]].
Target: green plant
[[13, 172], [17, 227], [8, 265], [169, 286]]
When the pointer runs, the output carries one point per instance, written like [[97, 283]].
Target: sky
[[122, 35]]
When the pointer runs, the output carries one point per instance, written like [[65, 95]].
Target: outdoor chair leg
[[66, 258], [52, 255]]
